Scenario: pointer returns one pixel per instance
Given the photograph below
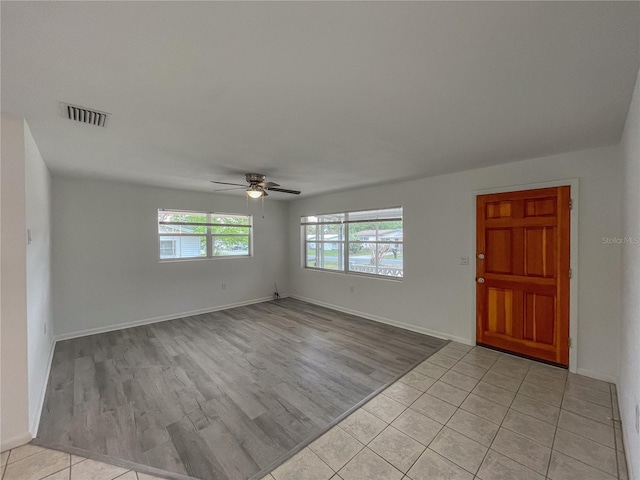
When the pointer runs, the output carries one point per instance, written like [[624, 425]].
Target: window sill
[[200, 259], [356, 274]]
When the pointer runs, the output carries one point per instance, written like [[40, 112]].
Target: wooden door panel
[[498, 209], [498, 254], [540, 251], [540, 207], [500, 310], [523, 298], [539, 318], [521, 314]]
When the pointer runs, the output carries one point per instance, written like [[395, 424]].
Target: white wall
[[39, 321], [629, 352], [105, 256], [14, 401], [437, 293]]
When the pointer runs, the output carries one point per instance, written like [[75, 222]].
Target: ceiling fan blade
[[284, 190], [227, 183], [227, 189], [268, 184]]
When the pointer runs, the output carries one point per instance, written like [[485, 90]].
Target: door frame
[[573, 260]]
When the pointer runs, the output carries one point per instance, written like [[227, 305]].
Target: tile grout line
[[588, 438], [57, 471], [405, 409], [500, 426], [28, 456], [123, 474], [458, 408], [385, 460], [350, 458], [4, 467], [426, 447], [437, 433], [555, 430], [366, 445], [31, 456], [442, 427], [380, 433], [509, 408]]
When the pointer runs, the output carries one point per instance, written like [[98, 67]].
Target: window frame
[[173, 246], [208, 234], [346, 241]]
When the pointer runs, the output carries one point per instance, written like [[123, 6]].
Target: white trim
[[208, 234], [387, 321], [346, 241], [35, 421], [163, 318], [573, 286], [14, 442], [598, 375]]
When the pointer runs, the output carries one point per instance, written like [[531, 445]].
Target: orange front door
[[522, 273]]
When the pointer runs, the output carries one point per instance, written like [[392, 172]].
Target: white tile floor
[[30, 462], [464, 413]]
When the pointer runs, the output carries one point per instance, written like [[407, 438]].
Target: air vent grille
[[85, 115]]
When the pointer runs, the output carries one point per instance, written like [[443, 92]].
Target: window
[[365, 242], [191, 235], [167, 248]]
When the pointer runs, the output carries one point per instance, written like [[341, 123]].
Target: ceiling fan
[[257, 186]]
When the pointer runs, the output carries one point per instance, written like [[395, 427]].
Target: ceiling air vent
[[85, 115]]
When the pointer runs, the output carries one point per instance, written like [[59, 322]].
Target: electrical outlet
[[464, 260], [352, 289], [224, 286]]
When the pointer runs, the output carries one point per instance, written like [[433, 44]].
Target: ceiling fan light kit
[[255, 192]]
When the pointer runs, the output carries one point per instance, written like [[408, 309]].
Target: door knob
[[481, 256], [480, 280]]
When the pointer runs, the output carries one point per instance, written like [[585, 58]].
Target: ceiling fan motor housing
[[254, 178]]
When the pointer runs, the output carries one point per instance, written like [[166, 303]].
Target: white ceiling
[[319, 96]]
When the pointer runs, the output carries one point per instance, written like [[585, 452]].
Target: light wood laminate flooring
[[223, 395]]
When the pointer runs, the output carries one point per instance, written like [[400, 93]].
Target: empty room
[[320, 240]]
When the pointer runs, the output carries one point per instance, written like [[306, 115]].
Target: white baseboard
[[17, 441], [433, 333], [163, 318], [35, 421], [388, 321], [597, 375]]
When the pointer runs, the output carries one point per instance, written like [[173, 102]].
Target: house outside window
[[366, 242], [167, 248], [200, 235]]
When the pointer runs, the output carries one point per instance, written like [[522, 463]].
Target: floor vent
[[85, 115]]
